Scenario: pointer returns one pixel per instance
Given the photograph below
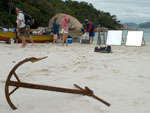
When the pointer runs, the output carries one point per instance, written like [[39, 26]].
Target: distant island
[[134, 25], [145, 25]]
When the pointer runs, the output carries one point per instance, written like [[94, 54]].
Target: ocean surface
[[146, 34]]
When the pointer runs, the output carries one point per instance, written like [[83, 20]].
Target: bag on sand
[[85, 39], [106, 49]]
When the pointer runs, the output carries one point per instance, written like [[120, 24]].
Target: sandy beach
[[122, 78]]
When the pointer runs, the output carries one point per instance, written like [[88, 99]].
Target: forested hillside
[[43, 10]]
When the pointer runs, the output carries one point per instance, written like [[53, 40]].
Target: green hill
[[43, 10]]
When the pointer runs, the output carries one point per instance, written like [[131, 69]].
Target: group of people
[[65, 30], [22, 29], [89, 29]]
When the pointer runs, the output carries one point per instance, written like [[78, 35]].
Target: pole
[[99, 36]]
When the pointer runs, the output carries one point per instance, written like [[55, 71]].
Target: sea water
[[146, 34]]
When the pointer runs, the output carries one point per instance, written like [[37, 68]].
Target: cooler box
[[69, 40]]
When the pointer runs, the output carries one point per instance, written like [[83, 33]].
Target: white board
[[114, 37], [134, 38]]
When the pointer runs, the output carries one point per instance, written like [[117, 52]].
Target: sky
[[137, 11]]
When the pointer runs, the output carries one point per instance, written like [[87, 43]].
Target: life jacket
[[90, 27]]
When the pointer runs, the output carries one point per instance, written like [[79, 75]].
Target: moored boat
[[6, 36]]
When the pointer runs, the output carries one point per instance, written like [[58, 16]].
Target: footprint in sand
[[2, 84], [115, 71], [13, 61], [48, 52], [105, 65], [91, 68], [77, 63], [2, 81], [93, 77], [9, 53], [99, 109], [44, 70], [64, 67], [147, 92], [75, 70], [138, 102], [141, 76]]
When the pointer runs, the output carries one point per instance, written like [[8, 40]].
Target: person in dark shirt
[[89, 27], [55, 31]]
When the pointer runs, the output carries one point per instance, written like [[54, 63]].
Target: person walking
[[20, 24], [89, 27], [27, 34], [55, 31], [65, 29]]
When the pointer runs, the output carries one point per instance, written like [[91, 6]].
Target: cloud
[[127, 10]]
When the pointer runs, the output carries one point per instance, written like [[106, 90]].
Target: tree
[[43, 10], [10, 4]]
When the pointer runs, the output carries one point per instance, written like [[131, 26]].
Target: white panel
[[134, 38], [114, 37]]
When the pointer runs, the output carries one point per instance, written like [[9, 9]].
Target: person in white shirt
[[20, 25]]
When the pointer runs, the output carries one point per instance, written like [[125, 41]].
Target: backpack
[[106, 49], [28, 19]]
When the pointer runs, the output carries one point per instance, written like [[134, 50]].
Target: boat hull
[[36, 38]]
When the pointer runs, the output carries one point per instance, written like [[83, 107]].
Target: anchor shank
[[44, 87]]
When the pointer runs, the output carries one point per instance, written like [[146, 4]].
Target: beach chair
[[114, 37], [135, 38]]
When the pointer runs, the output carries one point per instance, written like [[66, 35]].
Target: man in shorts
[[20, 24], [90, 29]]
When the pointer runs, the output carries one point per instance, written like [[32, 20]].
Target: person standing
[[55, 31], [20, 24], [27, 34], [16, 39], [65, 29], [89, 27]]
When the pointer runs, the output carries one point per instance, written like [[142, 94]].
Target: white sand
[[121, 78]]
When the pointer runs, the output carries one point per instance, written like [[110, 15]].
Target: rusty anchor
[[17, 84]]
